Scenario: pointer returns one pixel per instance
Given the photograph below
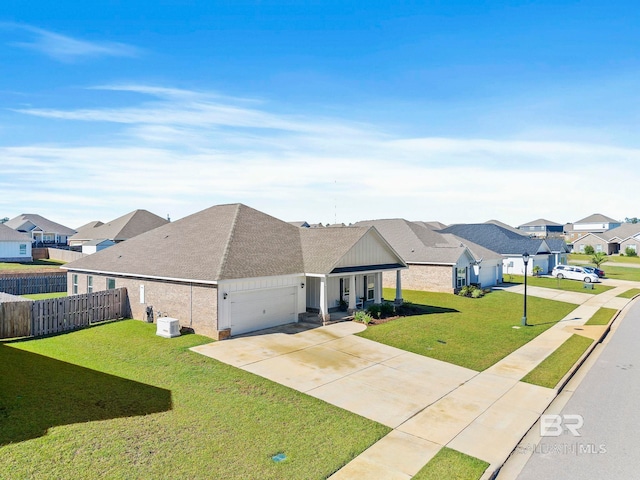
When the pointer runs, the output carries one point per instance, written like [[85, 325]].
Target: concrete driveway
[[376, 381]]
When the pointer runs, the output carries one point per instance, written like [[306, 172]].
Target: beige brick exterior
[[195, 306], [428, 278]]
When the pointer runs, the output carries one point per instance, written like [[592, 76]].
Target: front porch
[[337, 296]]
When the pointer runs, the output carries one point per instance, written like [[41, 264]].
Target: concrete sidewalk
[[428, 403]]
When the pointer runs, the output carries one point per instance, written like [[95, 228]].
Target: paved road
[[608, 399]]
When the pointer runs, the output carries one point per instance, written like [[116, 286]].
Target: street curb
[[566, 379]]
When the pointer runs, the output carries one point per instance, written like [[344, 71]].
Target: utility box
[[168, 327]]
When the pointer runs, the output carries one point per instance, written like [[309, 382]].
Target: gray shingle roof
[[597, 218], [39, 221], [324, 247], [221, 242], [496, 238], [8, 234], [504, 225], [622, 232], [122, 228], [539, 222], [416, 243]]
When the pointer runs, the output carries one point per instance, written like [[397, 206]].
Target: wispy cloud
[[68, 49], [186, 150]]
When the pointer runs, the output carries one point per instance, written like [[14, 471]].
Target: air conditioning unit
[[168, 327]]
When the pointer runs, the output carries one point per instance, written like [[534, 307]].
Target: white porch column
[[398, 300], [352, 294], [324, 305], [377, 290]]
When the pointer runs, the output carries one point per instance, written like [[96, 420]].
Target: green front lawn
[[610, 259], [117, 401], [45, 296], [557, 284], [602, 317], [452, 465], [473, 333], [35, 265], [622, 273], [553, 368]]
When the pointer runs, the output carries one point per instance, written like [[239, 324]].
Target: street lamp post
[[525, 259]]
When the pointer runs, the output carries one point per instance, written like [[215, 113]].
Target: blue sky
[[457, 111]]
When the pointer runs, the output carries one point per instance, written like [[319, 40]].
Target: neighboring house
[[559, 251], [231, 269], [437, 262], [505, 226], [118, 230], [84, 232], [596, 223], [509, 244], [43, 232], [93, 246], [542, 228], [14, 246], [612, 241]]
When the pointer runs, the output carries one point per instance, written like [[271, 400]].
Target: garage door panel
[[252, 311]]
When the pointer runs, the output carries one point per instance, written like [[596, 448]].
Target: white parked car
[[574, 273]]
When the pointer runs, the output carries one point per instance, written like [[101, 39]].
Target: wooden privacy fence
[[15, 317], [56, 315], [30, 284], [69, 313]]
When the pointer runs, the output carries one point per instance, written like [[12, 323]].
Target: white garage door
[[252, 311]]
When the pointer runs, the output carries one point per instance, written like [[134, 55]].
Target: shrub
[[630, 252], [471, 291], [537, 270], [589, 250], [465, 291], [387, 309], [362, 317], [375, 310], [477, 293]]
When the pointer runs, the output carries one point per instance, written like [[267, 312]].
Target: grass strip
[[45, 296], [630, 293], [452, 465], [555, 366], [602, 317], [35, 265]]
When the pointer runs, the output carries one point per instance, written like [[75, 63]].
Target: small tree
[[589, 250], [599, 258]]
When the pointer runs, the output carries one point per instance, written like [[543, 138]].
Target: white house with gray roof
[[509, 244], [14, 246], [41, 230], [231, 269]]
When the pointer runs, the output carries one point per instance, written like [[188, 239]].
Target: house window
[[599, 247], [23, 249], [74, 281], [370, 288], [633, 247], [111, 283], [461, 277], [581, 248], [89, 284]]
